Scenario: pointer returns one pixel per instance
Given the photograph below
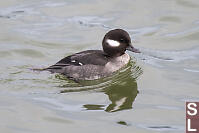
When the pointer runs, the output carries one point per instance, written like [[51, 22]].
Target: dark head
[[116, 42]]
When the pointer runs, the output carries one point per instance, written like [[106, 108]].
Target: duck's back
[[94, 57]]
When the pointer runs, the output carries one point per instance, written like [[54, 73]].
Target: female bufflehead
[[95, 64]]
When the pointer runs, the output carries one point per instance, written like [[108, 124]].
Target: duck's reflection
[[121, 90], [121, 95]]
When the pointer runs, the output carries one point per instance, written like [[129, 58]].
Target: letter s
[[192, 108]]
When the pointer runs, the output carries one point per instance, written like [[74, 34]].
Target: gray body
[[89, 65]]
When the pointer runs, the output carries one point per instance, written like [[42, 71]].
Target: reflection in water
[[121, 89], [121, 95]]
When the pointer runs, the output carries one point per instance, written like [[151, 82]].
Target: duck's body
[[89, 65], [95, 64]]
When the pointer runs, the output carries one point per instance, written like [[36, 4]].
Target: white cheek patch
[[80, 64], [113, 43]]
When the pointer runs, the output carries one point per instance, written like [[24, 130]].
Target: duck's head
[[116, 42]]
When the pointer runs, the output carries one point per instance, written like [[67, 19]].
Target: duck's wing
[[89, 57]]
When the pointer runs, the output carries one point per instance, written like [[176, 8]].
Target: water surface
[[147, 96]]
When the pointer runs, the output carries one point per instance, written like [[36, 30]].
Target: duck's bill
[[132, 49]]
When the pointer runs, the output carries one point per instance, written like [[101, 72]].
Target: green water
[[146, 96]]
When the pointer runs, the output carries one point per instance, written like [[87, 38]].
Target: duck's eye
[[122, 40]]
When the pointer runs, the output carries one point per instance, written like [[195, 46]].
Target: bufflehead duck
[[95, 64]]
